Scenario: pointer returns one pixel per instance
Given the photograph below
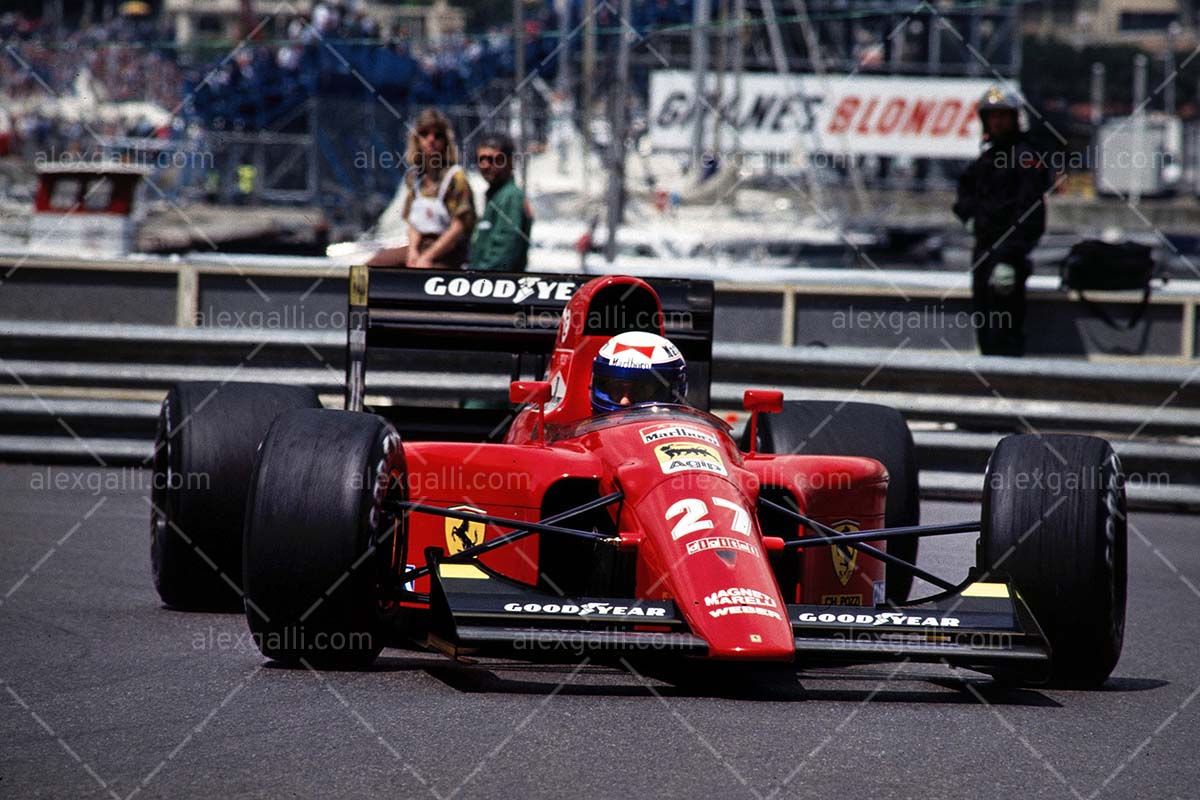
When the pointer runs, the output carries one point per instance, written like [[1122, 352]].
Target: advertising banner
[[835, 115]]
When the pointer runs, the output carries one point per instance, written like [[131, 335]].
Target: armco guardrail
[[786, 306], [81, 391], [1058, 393]]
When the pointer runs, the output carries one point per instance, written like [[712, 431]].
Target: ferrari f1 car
[[552, 531]]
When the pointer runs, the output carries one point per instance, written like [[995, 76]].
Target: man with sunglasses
[[501, 238]]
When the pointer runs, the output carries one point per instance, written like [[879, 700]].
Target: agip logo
[[689, 457]]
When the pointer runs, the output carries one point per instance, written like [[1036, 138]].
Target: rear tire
[[818, 427], [318, 542], [1054, 521], [208, 434]]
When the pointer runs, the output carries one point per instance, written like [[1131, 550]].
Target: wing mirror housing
[[760, 401], [536, 392], [529, 392], [768, 400]]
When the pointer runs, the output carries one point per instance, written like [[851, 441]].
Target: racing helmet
[[637, 368]]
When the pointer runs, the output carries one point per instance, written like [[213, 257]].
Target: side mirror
[[767, 400], [760, 401], [529, 392]]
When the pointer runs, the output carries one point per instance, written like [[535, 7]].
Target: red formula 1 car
[[554, 532]]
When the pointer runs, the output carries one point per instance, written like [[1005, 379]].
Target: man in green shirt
[[501, 238]]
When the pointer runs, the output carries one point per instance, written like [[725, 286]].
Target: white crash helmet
[[637, 368]]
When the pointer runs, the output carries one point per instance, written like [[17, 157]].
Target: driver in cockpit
[[636, 368]]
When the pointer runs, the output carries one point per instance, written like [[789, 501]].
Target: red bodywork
[[690, 499]]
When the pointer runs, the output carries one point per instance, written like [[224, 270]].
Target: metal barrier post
[[187, 295]]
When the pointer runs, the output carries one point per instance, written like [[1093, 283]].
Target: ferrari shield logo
[[844, 558], [460, 533]]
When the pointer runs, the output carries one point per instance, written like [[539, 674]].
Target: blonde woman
[[439, 210]]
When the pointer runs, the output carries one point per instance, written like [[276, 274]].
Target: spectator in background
[[501, 239], [439, 210]]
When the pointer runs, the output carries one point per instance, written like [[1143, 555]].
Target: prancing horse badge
[[460, 533], [844, 558]]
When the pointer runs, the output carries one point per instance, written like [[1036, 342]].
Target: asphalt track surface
[[105, 693]]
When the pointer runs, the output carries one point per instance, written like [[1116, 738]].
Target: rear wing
[[438, 312]]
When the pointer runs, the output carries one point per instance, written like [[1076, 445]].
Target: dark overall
[[1002, 191]]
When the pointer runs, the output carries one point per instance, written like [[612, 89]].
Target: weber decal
[[875, 620], [687, 457], [656, 433], [588, 609], [727, 611], [721, 543]]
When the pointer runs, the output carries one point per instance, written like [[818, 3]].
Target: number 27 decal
[[695, 516]]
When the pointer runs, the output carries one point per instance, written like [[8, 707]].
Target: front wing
[[475, 611]]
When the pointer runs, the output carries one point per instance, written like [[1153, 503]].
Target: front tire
[[1054, 521], [208, 434], [318, 542]]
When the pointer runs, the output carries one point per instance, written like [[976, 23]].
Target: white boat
[[86, 208]]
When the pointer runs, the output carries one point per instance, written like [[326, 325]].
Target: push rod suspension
[[832, 534], [521, 529], [882, 534]]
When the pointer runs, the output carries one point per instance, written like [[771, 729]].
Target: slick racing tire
[[318, 541], [203, 455], [1054, 522], [816, 427]]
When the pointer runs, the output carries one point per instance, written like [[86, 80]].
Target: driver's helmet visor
[[616, 391]]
